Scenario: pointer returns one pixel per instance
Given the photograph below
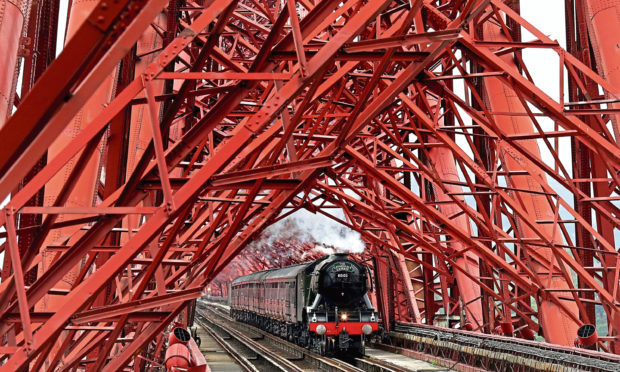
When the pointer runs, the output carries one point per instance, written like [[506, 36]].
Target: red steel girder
[[379, 108]]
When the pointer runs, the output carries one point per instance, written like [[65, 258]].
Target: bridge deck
[[217, 358], [403, 361]]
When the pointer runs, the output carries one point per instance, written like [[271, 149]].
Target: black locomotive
[[322, 304]]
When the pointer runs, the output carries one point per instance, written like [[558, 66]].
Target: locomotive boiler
[[322, 305]]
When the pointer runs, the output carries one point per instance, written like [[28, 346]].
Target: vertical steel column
[[603, 21], [11, 24], [12, 18], [603, 25], [86, 189], [443, 162], [383, 289], [42, 29], [557, 326]]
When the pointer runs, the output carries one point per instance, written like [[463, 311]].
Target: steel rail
[[243, 362], [366, 363], [273, 359], [321, 362], [276, 360]]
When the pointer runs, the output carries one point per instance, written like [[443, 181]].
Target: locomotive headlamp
[[321, 329], [344, 317], [367, 329]]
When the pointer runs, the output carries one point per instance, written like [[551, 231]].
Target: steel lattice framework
[[169, 134]]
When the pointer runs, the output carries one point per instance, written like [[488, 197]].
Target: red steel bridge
[[169, 134]]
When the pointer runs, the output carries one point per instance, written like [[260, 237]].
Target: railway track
[[242, 360], [250, 354], [452, 349], [257, 350]]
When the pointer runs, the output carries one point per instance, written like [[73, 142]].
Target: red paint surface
[[352, 328]]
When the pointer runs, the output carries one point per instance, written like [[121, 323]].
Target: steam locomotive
[[322, 305]]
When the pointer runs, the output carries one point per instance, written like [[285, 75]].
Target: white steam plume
[[329, 235]]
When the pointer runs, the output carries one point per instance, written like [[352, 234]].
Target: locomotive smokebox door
[[343, 281]]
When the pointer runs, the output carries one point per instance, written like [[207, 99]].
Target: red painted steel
[[558, 328], [87, 179], [485, 201], [352, 328], [468, 289], [603, 17], [178, 357], [12, 20], [183, 354]]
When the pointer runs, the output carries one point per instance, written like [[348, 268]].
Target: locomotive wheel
[[305, 339], [358, 346], [362, 347]]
